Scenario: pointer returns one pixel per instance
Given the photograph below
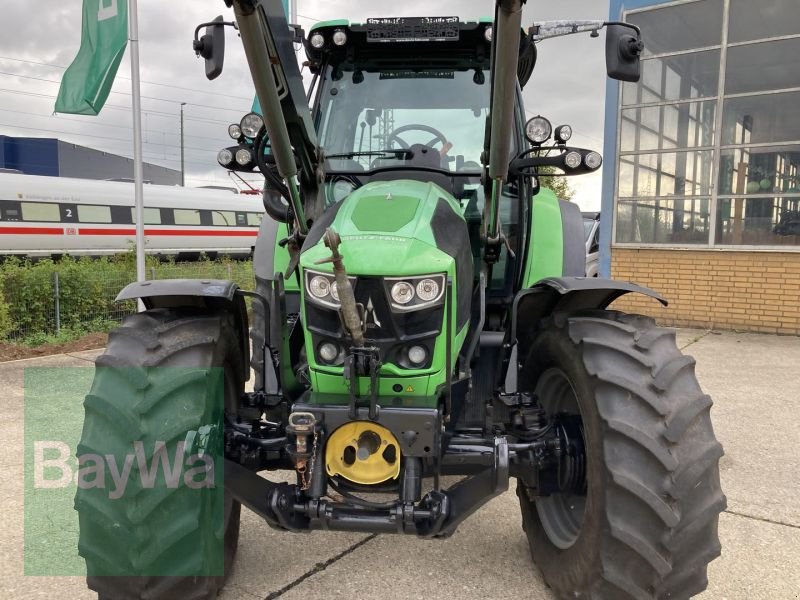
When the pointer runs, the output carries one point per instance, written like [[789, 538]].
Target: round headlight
[[244, 157], [538, 130], [328, 352], [235, 131], [428, 290], [317, 41], [563, 133], [251, 124], [487, 33], [593, 160], [225, 157], [319, 286], [573, 160], [335, 291], [339, 37], [402, 292], [417, 355]]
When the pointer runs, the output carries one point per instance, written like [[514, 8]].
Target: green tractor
[[421, 332]]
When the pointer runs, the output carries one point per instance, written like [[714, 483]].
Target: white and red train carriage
[[52, 216]]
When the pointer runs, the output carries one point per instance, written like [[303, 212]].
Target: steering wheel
[[438, 136]]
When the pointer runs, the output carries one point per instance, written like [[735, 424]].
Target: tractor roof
[[399, 43]]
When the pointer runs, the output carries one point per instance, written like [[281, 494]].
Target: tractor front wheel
[[159, 392], [642, 522]]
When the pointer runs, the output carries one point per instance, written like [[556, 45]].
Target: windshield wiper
[[400, 153]]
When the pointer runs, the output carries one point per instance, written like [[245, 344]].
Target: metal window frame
[[717, 147]]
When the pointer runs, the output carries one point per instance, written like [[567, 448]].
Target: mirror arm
[[199, 48], [550, 29]]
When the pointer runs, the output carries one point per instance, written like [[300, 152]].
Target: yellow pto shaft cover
[[363, 452]]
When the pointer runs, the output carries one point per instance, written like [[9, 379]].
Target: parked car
[[591, 229]]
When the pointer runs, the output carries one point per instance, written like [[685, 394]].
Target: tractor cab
[[408, 99]]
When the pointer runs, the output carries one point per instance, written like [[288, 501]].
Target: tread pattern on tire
[[662, 494], [142, 403]]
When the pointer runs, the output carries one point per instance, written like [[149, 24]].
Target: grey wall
[[86, 163]]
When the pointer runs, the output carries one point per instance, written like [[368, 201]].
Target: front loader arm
[[268, 44]]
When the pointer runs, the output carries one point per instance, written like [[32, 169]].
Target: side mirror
[[623, 50], [212, 46]]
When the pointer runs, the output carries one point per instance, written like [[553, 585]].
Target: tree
[[560, 185]]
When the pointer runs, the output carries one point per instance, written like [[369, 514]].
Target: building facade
[[52, 157], [702, 173]]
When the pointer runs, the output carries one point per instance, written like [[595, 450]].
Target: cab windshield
[[431, 118]]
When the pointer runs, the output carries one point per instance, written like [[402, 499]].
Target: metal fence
[[39, 302]]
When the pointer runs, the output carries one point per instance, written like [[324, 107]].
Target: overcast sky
[[568, 85]]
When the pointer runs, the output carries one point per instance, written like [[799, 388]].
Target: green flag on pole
[[88, 80]]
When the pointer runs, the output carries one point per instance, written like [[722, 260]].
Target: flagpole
[[138, 175]]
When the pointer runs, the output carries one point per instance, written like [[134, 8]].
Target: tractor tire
[[645, 525], [158, 380]]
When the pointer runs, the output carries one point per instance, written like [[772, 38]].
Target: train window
[[167, 217], [152, 216], [40, 211], [254, 219], [224, 218], [9, 211], [94, 214], [187, 216], [241, 219], [121, 215]]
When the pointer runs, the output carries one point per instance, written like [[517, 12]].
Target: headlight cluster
[[415, 293], [321, 288]]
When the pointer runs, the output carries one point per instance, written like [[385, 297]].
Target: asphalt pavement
[[754, 381]]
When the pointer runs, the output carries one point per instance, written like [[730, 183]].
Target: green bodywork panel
[[546, 250], [331, 23], [385, 228]]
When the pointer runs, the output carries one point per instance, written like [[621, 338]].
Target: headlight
[[402, 292], [225, 157], [317, 41], [487, 33], [563, 133], [573, 160], [235, 131], [417, 355], [593, 160], [251, 124], [415, 293], [538, 130], [244, 157], [339, 37], [428, 290], [320, 287]]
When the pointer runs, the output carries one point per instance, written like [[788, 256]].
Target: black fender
[[564, 294], [212, 294]]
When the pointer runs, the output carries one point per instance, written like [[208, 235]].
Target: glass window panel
[[663, 221], [187, 217], [40, 211], [254, 219], [763, 67], [223, 218], [763, 170], [671, 125], [759, 221], [681, 27], [152, 216], [692, 76], [626, 171], [666, 174], [759, 19], [758, 119], [94, 214]]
